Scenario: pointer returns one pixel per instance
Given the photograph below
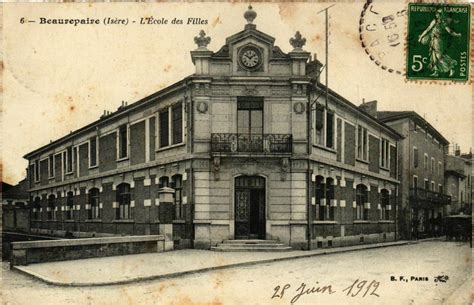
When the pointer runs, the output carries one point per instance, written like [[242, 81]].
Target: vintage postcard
[[237, 153]]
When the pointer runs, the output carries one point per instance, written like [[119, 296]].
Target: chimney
[[457, 151], [369, 107]]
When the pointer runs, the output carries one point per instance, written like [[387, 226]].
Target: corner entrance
[[249, 207]]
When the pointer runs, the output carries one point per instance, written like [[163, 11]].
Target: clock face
[[250, 58]]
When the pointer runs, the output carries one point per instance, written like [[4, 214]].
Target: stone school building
[[248, 147]]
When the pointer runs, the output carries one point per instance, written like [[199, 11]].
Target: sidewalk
[[140, 267]]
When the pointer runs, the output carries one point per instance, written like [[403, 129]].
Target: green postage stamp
[[438, 41]]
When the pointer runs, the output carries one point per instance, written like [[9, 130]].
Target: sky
[[58, 78]]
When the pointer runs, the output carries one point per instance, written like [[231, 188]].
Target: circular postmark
[[382, 34]]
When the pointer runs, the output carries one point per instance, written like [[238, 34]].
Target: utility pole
[[326, 15]]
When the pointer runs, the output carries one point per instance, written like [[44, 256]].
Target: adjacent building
[[251, 146], [15, 209], [421, 159], [458, 181]]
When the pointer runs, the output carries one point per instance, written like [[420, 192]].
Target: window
[[37, 171], [52, 207], [432, 165], [440, 188], [51, 166], [425, 162], [384, 153], [415, 157], [320, 194], [250, 117], [164, 127], [123, 142], [440, 168], [69, 206], [415, 182], [177, 112], [384, 205], [432, 186], [362, 143], [69, 159], [427, 184], [93, 151], [163, 182], [361, 200], [94, 202], [124, 210], [177, 184], [37, 208], [324, 127], [330, 196]]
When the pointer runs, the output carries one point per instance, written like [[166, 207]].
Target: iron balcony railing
[[427, 195], [251, 143]]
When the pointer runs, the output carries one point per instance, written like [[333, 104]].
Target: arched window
[[384, 203], [52, 207], [177, 184], [37, 208], [361, 199], [163, 182], [69, 205], [329, 197], [94, 199], [320, 194], [124, 210]]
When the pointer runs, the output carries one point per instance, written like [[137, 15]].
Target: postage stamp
[[438, 42]]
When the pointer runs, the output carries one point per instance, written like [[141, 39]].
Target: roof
[[102, 120], [19, 191], [389, 116], [395, 133]]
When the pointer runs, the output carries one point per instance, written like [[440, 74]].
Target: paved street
[[257, 284]]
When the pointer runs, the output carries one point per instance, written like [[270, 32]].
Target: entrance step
[[248, 245]]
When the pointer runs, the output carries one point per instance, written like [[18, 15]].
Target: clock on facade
[[250, 58]]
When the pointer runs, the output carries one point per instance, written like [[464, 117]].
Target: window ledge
[[93, 220], [362, 160], [329, 149], [69, 220], [94, 166], [51, 178], [122, 159], [179, 221], [325, 222], [385, 168], [68, 173], [170, 146], [123, 221], [386, 221], [361, 221]]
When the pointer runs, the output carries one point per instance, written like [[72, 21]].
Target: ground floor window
[[37, 208], [52, 207], [69, 206], [94, 199], [384, 205], [124, 210], [361, 213]]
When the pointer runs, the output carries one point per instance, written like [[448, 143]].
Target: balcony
[[234, 143], [423, 196]]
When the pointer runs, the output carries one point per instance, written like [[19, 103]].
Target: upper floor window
[[432, 165], [94, 202], [361, 199], [384, 204], [427, 185], [384, 153], [425, 162], [93, 152], [324, 127], [415, 181], [177, 126], [51, 166], [164, 127], [362, 148], [124, 210], [170, 125], [37, 170], [415, 157], [123, 142], [69, 159], [249, 117], [440, 168]]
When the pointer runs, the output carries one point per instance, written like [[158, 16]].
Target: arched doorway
[[249, 207]]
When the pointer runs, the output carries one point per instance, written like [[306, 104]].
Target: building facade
[[15, 209], [421, 155], [251, 146], [458, 180]]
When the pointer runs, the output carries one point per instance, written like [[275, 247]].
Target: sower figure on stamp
[[440, 62]]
